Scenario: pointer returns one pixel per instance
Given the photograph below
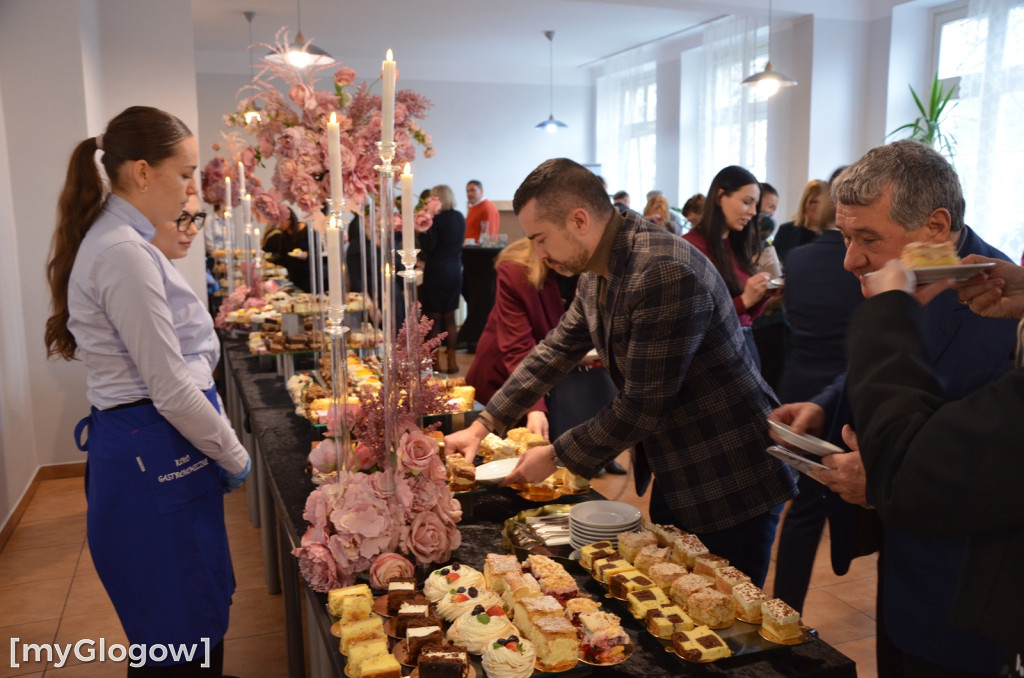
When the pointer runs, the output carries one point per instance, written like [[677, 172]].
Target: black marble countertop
[[284, 443]]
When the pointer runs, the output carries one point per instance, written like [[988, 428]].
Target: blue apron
[[156, 527]]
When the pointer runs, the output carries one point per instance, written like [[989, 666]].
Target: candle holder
[[389, 369], [411, 276], [371, 244], [229, 250]]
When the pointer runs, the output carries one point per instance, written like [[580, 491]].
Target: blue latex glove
[[233, 482]]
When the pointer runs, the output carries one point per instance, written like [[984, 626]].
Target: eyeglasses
[[186, 219]]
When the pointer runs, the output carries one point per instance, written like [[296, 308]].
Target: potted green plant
[[927, 128]]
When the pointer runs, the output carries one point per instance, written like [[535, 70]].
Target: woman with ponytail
[[727, 235], [160, 453]]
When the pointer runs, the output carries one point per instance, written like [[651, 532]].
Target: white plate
[[604, 514], [604, 531], [804, 442], [597, 536], [802, 464], [495, 471], [959, 272], [776, 283]]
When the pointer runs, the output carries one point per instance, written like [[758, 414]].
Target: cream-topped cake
[[663, 574], [727, 577], [780, 620], [479, 627], [511, 657], [746, 602], [461, 600], [443, 580], [685, 550], [708, 563], [557, 643]]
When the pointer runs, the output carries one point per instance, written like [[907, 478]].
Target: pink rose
[[324, 457], [352, 414], [364, 457], [429, 539], [344, 76], [318, 567], [415, 451], [302, 96], [388, 566], [436, 472]]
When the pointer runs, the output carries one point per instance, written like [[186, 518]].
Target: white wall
[[103, 56]]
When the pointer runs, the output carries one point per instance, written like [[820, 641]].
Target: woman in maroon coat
[[527, 306]]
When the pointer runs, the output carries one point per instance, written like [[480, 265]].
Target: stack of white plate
[[601, 521]]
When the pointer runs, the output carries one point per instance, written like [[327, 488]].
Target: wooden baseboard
[[51, 472]]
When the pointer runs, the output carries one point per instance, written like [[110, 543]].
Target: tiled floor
[[49, 590]]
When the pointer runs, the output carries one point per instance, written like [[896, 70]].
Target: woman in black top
[[441, 252]]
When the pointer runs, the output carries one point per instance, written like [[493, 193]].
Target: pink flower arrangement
[[383, 508], [293, 129], [244, 297]]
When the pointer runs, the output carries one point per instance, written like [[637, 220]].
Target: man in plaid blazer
[[691, 403]]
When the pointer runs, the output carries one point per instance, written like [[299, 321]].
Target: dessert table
[[281, 441]]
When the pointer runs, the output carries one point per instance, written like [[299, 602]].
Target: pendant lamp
[[551, 125], [299, 54], [767, 82], [253, 112]]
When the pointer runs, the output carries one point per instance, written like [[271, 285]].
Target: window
[[981, 51], [729, 123], [627, 103]]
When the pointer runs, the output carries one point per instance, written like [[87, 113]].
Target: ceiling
[[473, 40]]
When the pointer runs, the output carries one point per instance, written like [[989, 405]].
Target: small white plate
[[960, 272], [597, 535], [604, 514], [495, 471], [804, 442], [776, 283]]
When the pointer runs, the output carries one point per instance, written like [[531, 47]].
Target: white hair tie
[[99, 141]]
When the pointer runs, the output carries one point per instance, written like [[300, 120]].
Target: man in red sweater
[[481, 211]]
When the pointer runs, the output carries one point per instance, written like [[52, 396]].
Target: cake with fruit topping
[[461, 600], [444, 580], [577, 606], [476, 629], [604, 641], [511, 657]]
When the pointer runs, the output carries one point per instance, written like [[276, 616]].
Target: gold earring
[[145, 188]]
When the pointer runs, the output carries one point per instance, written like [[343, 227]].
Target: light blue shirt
[[143, 333]]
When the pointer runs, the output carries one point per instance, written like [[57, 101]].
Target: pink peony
[[415, 451], [429, 539], [388, 566], [318, 567]]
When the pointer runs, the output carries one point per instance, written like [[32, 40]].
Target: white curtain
[[988, 128], [626, 119], [731, 124]]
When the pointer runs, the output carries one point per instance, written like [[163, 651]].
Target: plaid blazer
[[690, 398]]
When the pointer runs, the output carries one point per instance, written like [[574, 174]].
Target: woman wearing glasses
[[174, 238], [160, 454]]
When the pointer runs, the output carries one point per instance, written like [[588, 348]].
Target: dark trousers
[[747, 546], [798, 542], [188, 670]]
